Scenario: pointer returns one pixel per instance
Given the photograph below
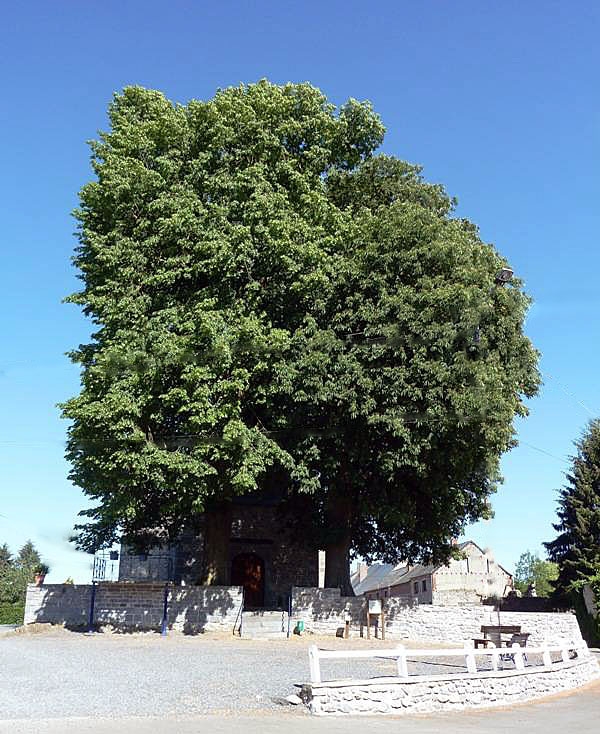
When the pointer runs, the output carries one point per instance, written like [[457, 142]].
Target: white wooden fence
[[468, 653]]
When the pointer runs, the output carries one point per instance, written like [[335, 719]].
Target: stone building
[[474, 577], [266, 556]]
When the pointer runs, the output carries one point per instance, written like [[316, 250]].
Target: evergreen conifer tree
[[5, 556], [28, 558], [576, 549]]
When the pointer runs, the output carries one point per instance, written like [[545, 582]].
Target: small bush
[[12, 613]]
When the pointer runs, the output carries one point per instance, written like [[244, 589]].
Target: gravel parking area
[[56, 674]]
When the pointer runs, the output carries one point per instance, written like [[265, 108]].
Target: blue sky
[[498, 101]]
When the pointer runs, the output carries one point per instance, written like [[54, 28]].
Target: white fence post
[[517, 653], [546, 657], [315, 667], [399, 654], [495, 655], [470, 658], [401, 662]]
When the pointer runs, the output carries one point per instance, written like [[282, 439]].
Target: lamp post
[[504, 276]]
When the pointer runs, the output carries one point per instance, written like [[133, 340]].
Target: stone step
[[264, 624], [264, 627], [263, 614], [248, 635]]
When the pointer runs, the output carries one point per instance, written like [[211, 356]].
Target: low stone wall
[[323, 611], [135, 606], [446, 693], [456, 624], [130, 605], [58, 604], [204, 608]]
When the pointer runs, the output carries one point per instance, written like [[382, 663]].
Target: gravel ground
[[56, 674]]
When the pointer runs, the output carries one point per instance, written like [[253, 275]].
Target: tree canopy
[[273, 298], [531, 570]]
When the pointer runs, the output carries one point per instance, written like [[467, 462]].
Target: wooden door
[[248, 570]]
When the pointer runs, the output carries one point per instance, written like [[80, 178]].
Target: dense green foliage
[[576, 549], [276, 302], [532, 570], [15, 574]]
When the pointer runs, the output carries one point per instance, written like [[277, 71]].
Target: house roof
[[374, 578], [384, 575]]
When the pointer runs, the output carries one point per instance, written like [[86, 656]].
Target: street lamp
[[504, 276]]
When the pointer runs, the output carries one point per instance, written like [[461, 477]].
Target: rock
[[293, 699]]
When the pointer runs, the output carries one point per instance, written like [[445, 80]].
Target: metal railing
[[468, 653], [240, 616]]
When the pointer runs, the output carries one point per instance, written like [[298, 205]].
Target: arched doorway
[[248, 570]]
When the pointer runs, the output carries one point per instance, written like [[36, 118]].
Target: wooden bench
[[493, 633]]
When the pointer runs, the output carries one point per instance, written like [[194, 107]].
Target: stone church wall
[[255, 529]]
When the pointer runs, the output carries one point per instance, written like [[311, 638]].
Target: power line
[[188, 438], [593, 414], [563, 460]]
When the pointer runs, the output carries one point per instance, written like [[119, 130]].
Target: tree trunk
[[217, 534], [339, 514]]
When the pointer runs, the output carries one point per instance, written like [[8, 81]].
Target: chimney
[[362, 572]]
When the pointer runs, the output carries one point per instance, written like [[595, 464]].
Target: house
[[469, 580]]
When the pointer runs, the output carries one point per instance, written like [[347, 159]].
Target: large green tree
[[276, 302], [411, 381], [576, 549]]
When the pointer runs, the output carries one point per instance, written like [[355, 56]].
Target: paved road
[[577, 712]]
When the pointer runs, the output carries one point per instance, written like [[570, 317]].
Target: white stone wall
[[459, 623], [446, 693], [323, 612]]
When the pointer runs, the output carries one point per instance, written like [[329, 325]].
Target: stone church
[[265, 558]]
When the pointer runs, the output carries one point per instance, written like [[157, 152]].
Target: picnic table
[[492, 633]]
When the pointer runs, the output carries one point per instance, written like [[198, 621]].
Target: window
[[424, 585], [488, 564], [416, 587], [468, 569]]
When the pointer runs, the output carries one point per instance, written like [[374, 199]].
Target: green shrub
[[12, 613]]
